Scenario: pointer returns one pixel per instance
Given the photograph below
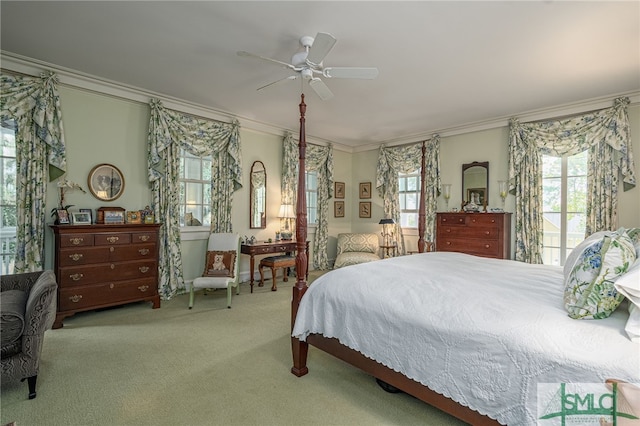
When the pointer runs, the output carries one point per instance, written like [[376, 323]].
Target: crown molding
[[72, 78]]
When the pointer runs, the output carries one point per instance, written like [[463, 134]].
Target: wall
[[101, 128]]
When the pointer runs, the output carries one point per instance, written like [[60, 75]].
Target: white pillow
[[629, 284], [633, 323]]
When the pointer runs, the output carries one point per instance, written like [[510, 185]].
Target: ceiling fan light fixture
[[307, 74], [299, 59]]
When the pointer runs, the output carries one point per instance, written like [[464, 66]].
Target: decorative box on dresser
[[98, 266], [480, 234]]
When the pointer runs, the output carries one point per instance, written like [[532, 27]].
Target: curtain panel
[[407, 159], [319, 159], [34, 105], [604, 134], [169, 132]]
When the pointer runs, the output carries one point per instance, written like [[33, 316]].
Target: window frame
[[309, 190], [199, 232], [8, 233], [415, 175]]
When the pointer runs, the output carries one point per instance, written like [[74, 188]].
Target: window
[[195, 190], [8, 210], [564, 199], [409, 194], [311, 179]]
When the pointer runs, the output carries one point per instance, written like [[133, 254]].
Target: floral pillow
[[589, 287], [220, 264]]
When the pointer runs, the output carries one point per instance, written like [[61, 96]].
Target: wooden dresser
[[480, 234], [98, 266]]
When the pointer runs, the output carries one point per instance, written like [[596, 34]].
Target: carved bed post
[[299, 349], [422, 216]]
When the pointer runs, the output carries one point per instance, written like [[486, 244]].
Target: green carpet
[[133, 365]]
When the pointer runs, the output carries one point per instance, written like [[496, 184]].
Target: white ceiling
[[442, 65]]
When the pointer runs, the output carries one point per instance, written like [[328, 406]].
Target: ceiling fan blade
[[350, 72], [321, 89], [291, 77], [322, 45], [275, 61]]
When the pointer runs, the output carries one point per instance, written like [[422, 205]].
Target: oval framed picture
[[106, 182]]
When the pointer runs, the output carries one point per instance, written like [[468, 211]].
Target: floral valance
[[34, 102]]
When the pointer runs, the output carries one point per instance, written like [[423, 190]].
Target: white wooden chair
[[226, 248]]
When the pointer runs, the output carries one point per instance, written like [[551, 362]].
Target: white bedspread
[[481, 331]]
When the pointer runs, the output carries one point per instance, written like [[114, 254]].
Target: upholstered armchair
[[28, 308], [356, 248]]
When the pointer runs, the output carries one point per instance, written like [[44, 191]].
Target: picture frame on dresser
[[81, 218]]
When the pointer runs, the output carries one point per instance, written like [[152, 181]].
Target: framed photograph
[[134, 216], [63, 217], [365, 190], [89, 212], [81, 218], [477, 195], [338, 208], [106, 182], [113, 217], [339, 190], [365, 209]]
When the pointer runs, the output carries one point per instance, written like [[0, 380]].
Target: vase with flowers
[[64, 185]]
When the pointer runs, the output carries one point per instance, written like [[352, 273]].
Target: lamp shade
[[286, 211], [386, 221]]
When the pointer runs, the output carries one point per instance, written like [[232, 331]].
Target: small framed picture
[[89, 212], [63, 216], [365, 190], [81, 218], [113, 217], [338, 208], [365, 209], [134, 216], [339, 190]]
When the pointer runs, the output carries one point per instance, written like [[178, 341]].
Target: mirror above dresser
[[475, 183]]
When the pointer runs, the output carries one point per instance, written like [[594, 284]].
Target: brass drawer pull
[[76, 241], [76, 277], [76, 298], [144, 251], [143, 288], [113, 266], [144, 269], [111, 285], [111, 249], [75, 256], [112, 239], [144, 238], [487, 246]]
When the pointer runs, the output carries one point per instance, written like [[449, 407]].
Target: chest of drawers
[[99, 266], [480, 234]]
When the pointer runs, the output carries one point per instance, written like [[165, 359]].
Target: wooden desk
[[263, 247]]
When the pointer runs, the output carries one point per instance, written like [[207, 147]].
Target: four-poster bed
[[471, 336], [331, 345]]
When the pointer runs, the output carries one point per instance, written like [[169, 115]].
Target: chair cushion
[[220, 264], [347, 259], [12, 308]]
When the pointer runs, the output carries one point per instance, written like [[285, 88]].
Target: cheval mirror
[[475, 183], [258, 196]]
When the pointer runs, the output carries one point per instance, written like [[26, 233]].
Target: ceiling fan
[[307, 65]]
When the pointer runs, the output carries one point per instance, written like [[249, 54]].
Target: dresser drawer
[[76, 240], [482, 219], [486, 248], [105, 294], [451, 219], [132, 252], [92, 274], [468, 232], [114, 238], [82, 255], [144, 237]]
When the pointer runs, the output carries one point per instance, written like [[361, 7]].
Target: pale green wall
[[106, 129]]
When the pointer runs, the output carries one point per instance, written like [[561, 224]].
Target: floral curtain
[[318, 159], [170, 131], [34, 104], [605, 134], [406, 159]]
